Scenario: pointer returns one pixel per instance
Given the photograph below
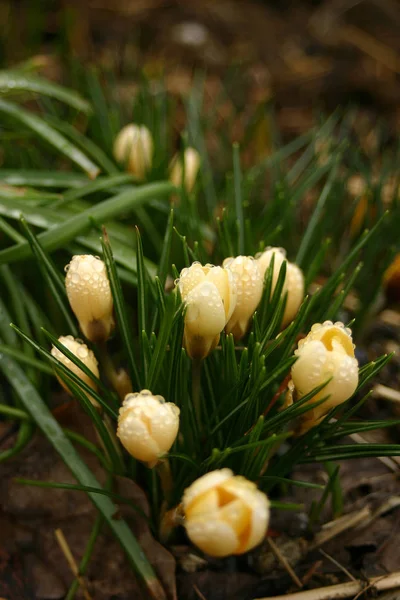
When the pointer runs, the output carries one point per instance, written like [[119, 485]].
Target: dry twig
[[66, 550], [284, 562], [344, 590]]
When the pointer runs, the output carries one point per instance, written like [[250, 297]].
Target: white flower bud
[[294, 281], [191, 160], [326, 353], [85, 355], [225, 514], [89, 295], [264, 260], [133, 147], [249, 283], [294, 286], [210, 297], [147, 426]]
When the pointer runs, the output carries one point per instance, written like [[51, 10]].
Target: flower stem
[[119, 380], [164, 472], [196, 390], [163, 469]]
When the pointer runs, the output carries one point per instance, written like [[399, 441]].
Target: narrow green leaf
[[39, 126], [315, 217], [34, 404], [120, 310], [164, 263], [14, 81], [42, 178], [142, 284], [70, 375], [53, 278], [60, 235]]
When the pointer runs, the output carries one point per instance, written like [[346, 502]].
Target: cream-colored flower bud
[[89, 295], [191, 165], [210, 297], [264, 260], [294, 281], [326, 353], [294, 286], [84, 354], [225, 514], [249, 283], [147, 426], [133, 148]]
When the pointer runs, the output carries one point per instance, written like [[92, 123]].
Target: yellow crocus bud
[[84, 354], [249, 283], [294, 286], [326, 353], [133, 148], [294, 281], [264, 260], [225, 514], [210, 297], [89, 295], [191, 165], [147, 426]]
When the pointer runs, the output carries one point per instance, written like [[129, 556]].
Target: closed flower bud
[[326, 353], [147, 426], [293, 285], [133, 148], [186, 173], [225, 514], [264, 261], [249, 283], [85, 355], [210, 297], [89, 295]]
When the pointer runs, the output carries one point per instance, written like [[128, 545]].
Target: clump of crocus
[[225, 514], [249, 284], [209, 294], [184, 169], [133, 148], [147, 426], [89, 294], [326, 354], [294, 281], [85, 355]]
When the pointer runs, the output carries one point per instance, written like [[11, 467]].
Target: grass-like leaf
[[50, 135], [59, 235], [34, 404], [14, 81]]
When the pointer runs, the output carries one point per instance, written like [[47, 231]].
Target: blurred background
[[301, 55]]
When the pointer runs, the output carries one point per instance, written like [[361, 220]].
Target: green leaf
[[101, 184], [40, 127], [316, 216], [80, 140], [25, 359], [42, 178], [70, 375], [120, 309], [53, 278], [59, 235], [164, 263], [13, 81], [34, 404]]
